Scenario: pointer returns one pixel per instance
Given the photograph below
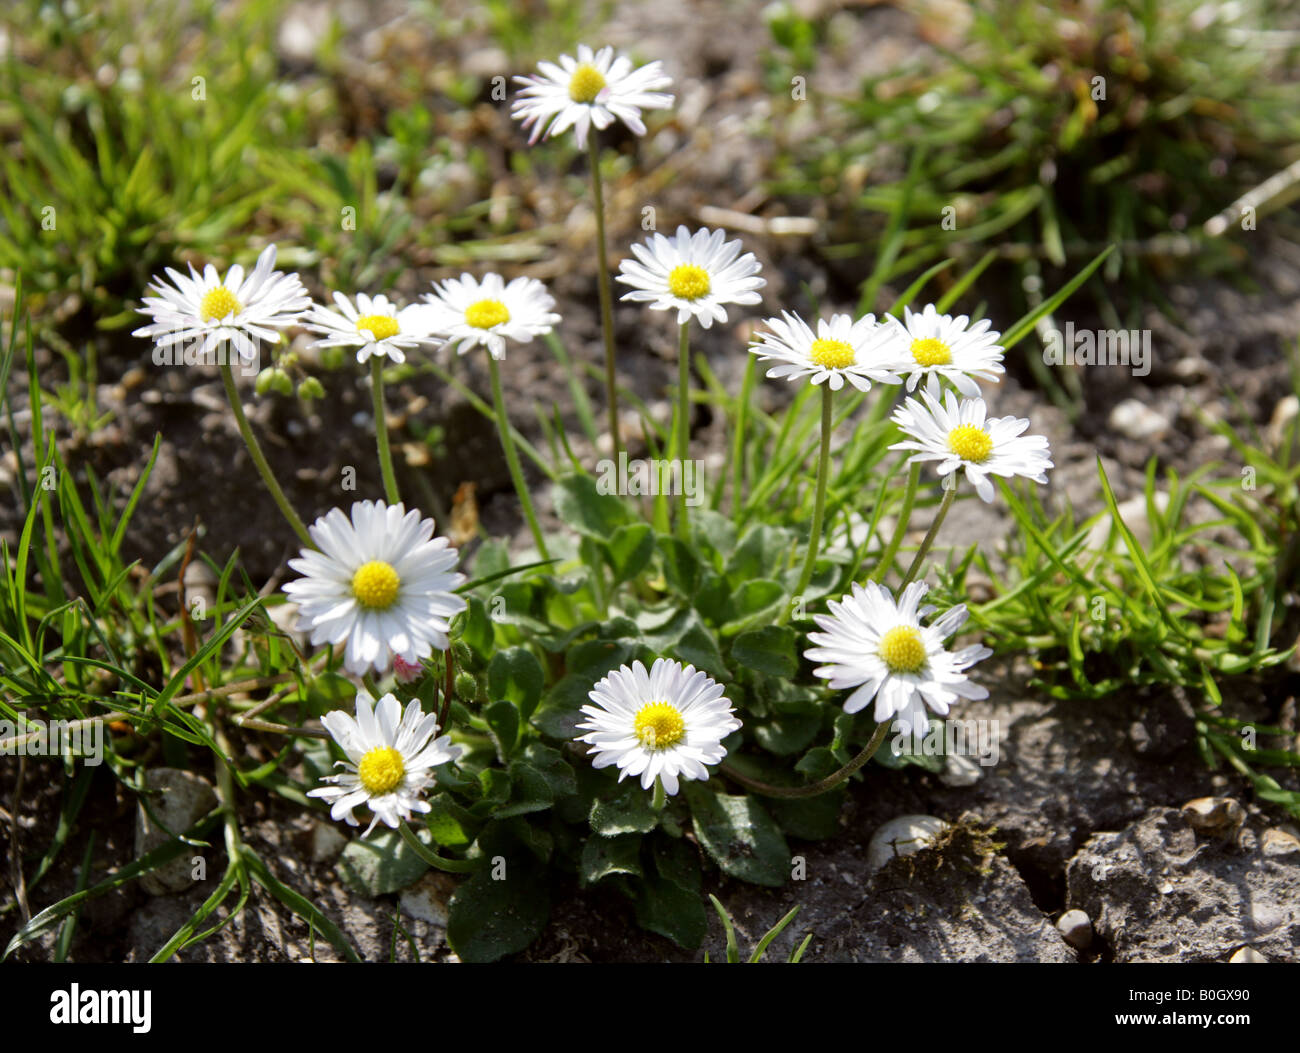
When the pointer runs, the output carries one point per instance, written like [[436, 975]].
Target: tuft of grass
[[1045, 133]]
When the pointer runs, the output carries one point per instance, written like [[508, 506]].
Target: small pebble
[[1214, 816], [901, 837], [1075, 928], [1246, 954]]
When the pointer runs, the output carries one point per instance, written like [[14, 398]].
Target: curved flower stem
[[904, 514], [606, 297], [381, 429], [259, 459], [819, 508], [512, 458], [821, 786], [452, 866], [658, 801], [683, 423], [948, 494]]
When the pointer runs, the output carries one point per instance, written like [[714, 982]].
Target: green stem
[[259, 459], [738, 448], [658, 801], [381, 429], [512, 458], [452, 866], [821, 786], [904, 515], [606, 298], [819, 507], [683, 423], [931, 534]]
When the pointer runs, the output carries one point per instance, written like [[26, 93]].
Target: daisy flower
[[841, 349], [469, 312], [666, 723], [934, 345], [380, 582], [695, 273], [389, 756], [881, 648], [373, 327], [240, 309], [959, 436], [594, 89]]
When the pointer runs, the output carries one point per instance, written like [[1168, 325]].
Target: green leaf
[[630, 549], [583, 507], [739, 835], [788, 733], [628, 812], [666, 908], [530, 791], [668, 900], [681, 568], [552, 766], [809, 818], [503, 719], [559, 714], [516, 674], [449, 823], [716, 530], [602, 856], [769, 650], [683, 636], [755, 596], [330, 691], [379, 864], [478, 631], [489, 919], [763, 550]]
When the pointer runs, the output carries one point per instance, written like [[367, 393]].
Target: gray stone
[[1136, 420], [959, 770], [1075, 928], [175, 801], [901, 837], [1246, 954], [1158, 892], [326, 841], [429, 897], [1214, 816]]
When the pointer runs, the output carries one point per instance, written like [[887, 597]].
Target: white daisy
[[239, 309], [840, 350], [695, 273], [389, 757], [934, 345], [469, 312], [882, 649], [596, 88], [381, 582], [666, 723], [959, 436], [373, 327]]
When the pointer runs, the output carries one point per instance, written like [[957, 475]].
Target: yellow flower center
[[381, 326], [902, 650], [832, 354], [486, 313], [688, 282], [381, 771], [659, 725], [586, 83], [931, 352], [970, 443], [217, 304], [375, 585]]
